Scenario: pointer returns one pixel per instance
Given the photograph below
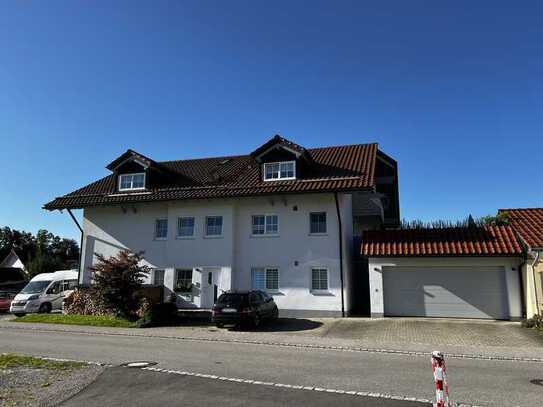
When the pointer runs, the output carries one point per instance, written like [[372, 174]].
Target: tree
[[42, 253], [117, 279]]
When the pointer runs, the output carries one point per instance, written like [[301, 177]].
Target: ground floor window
[[319, 279], [183, 280], [158, 277], [265, 278]]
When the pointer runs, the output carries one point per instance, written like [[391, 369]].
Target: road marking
[[298, 387], [286, 345]]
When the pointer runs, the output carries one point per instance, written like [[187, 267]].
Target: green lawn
[[91, 320], [9, 360]]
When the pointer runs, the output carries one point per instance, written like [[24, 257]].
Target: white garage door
[[461, 292]]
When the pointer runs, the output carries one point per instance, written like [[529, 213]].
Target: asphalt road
[[134, 387], [488, 383]]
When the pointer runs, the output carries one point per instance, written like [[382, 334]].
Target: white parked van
[[44, 293]]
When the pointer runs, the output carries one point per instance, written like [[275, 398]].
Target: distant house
[[12, 271], [528, 223]]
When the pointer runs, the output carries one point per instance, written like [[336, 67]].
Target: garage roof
[[528, 223], [469, 241]]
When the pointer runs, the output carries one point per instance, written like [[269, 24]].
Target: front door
[[209, 288]]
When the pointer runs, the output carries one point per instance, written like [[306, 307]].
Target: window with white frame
[[185, 226], [265, 278], [265, 225], [183, 280], [158, 277], [319, 279], [161, 229], [131, 182], [317, 221], [213, 225], [279, 170]]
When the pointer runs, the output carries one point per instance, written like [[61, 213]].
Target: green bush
[[158, 315], [535, 322]]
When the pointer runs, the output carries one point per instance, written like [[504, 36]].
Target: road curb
[[288, 345]]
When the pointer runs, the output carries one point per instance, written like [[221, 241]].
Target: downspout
[[80, 246], [340, 254], [536, 260]]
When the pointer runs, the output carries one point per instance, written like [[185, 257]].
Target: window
[[319, 279], [277, 171], [265, 224], [161, 229], [183, 281], [213, 225], [158, 277], [265, 278], [55, 288], [317, 222], [185, 227], [130, 182], [69, 285]]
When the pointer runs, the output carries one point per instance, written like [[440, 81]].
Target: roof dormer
[[281, 159]]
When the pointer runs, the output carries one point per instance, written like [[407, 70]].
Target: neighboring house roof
[[339, 168], [469, 241], [12, 260], [528, 223]]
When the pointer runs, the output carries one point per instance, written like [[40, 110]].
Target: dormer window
[[280, 171], [132, 182]]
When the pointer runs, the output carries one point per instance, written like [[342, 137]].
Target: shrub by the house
[[117, 280]]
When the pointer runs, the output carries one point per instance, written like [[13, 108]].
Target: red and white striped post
[[440, 380]]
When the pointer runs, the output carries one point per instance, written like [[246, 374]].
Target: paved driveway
[[444, 332]]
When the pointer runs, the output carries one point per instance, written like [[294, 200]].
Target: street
[[477, 382]]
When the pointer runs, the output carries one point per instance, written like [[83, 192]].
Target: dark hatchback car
[[244, 308]]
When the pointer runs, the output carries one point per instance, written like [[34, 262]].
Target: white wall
[[109, 229], [511, 266]]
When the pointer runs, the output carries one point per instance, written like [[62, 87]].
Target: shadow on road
[[286, 325]]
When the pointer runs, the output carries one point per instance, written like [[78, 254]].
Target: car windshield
[[231, 299], [35, 287]]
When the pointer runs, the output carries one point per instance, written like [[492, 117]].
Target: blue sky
[[452, 90]]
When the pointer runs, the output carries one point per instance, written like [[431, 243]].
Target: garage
[[441, 291], [470, 272]]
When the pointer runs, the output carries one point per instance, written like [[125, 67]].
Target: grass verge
[[9, 360], [89, 320]]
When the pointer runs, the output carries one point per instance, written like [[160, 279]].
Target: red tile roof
[[339, 168], [485, 241], [528, 223]]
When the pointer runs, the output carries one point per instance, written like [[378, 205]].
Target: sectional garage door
[[461, 292]]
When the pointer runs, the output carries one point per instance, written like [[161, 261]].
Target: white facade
[[227, 261], [510, 265]]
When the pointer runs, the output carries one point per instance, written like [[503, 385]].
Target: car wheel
[[18, 314], [275, 314], [256, 321], [219, 325], [45, 308]]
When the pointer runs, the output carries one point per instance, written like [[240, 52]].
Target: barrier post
[[440, 380]]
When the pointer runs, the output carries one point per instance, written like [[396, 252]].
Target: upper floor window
[[213, 225], [131, 182], [278, 171], [317, 223], [185, 226], [161, 229], [265, 225]]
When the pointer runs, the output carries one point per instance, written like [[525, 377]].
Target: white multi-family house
[[283, 219]]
